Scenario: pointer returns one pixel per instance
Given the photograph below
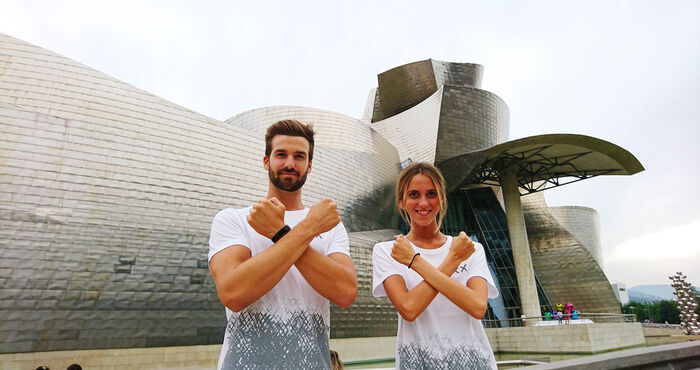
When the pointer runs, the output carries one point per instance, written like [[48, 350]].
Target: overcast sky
[[623, 71]]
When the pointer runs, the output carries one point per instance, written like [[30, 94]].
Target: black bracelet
[[283, 231], [412, 259]]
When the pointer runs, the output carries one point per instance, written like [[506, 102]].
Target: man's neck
[[291, 200]]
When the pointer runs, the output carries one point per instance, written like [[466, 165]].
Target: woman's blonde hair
[[421, 168]]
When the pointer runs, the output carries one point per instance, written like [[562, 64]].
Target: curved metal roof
[[541, 162]]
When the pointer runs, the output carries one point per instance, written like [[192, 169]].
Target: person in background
[[439, 284], [568, 309], [560, 316], [336, 363]]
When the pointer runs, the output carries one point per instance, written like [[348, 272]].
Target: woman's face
[[421, 201]]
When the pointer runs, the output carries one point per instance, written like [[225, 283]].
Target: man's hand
[[462, 247], [323, 216], [402, 251], [267, 217]]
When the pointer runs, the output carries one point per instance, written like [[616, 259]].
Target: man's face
[[288, 163]]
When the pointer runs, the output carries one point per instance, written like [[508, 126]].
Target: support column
[[521, 247]]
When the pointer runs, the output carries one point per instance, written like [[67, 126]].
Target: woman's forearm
[[471, 298], [410, 304]]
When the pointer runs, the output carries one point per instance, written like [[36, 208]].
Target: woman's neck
[[426, 237]]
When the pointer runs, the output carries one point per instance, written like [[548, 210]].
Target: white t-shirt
[[443, 336], [288, 327]]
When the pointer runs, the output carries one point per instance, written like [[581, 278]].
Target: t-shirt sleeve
[[227, 229], [479, 267], [339, 242], [383, 266]]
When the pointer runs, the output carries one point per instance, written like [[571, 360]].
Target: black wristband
[[412, 259], [283, 231]]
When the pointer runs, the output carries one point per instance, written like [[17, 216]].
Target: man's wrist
[[282, 232], [307, 228]]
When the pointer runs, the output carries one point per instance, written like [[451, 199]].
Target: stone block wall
[[580, 338]]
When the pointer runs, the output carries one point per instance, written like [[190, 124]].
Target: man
[[277, 264]]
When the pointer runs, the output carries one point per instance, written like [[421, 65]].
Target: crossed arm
[[241, 279], [471, 298]]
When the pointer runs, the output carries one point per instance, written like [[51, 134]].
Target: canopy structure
[[540, 162]]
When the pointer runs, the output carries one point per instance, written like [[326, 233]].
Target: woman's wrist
[[413, 260]]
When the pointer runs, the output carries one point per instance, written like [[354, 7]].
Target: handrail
[[518, 362], [596, 317]]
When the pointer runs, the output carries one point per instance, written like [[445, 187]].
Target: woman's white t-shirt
[[443, 336]]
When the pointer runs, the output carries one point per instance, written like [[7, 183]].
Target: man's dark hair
[[74, 367], [290, 127]]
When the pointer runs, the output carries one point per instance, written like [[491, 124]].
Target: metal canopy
[[540, 162]]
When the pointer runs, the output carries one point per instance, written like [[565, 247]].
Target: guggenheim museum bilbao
[[108, 193]]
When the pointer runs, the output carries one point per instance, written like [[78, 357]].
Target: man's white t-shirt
[[443, 336], [288, 327]]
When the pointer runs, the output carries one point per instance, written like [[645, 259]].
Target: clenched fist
[[402, 251], [323, 216], [462, 247], [267, 217]]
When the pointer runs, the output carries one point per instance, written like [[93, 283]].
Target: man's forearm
[[246, 282], [335, 279]]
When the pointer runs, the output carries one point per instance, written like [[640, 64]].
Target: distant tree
[[666, 311], [640, 310], [659, 312], [696, 295]]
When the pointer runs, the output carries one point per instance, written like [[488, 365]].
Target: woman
[[438, 284]]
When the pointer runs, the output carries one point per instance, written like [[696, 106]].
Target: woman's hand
[[402, 251], [462, 247]]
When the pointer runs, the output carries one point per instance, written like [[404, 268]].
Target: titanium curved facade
[[108, 195], [367, 316], [109, 192], [403, 87], [442, 112], [473, 121], [564, 263], [409, 131], [584, 224], [470, 119], [363, 170], [457, 74]]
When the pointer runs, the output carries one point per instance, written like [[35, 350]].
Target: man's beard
[[289, 186]]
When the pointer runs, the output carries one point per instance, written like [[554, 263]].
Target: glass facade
[[478, 213]]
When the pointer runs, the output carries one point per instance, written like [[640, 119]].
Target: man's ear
[[266, 163], [308, 168]]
